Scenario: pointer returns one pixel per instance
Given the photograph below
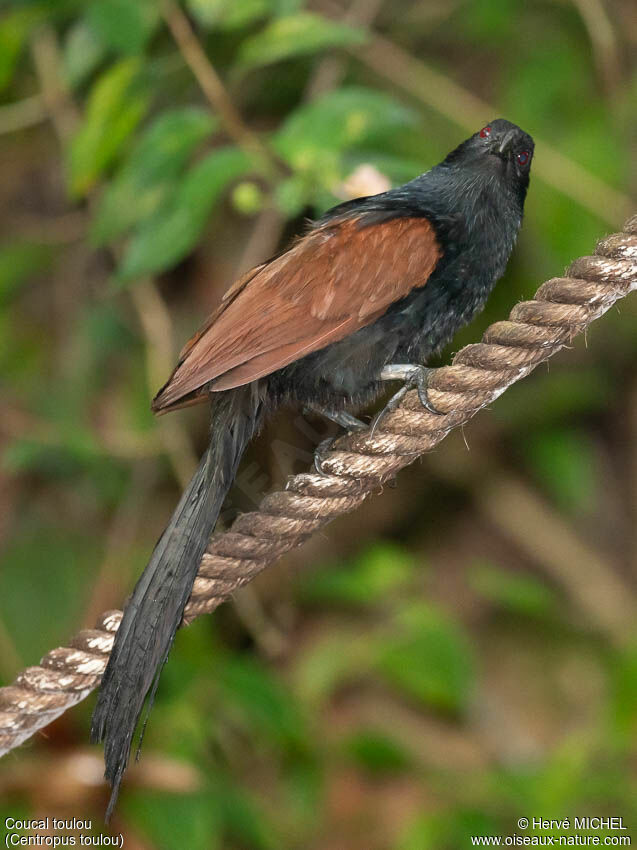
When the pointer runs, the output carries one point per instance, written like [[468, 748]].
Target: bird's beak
[[505, 142]]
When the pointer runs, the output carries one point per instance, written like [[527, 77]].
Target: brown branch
[[331, 70], [213, 88], [517, 512], [355, 468], [22, 114], [55, 94], [157, 330], [599, 592], [603, 40]]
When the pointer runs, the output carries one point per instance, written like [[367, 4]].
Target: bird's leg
[[415, 377], [340, 417], [319, 454]]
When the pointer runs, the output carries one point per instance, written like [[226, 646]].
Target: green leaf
[[17, 263], [554, 396], [169, 235], [429, 659], [116, 106], [295, 35], [266, 707], [174, 821], [83, 51], [376, 753], [294, 193], [324, 140], [44, 571], [565, 462], [14, 30], [245, 823], [489, 23], [550, 82], [516, 592], [282, 8], [60, 456], [150, 171], [447, 830], [375, 574], [624, 692], [341, 120], [334, 659], [228, 14], [122, 25]]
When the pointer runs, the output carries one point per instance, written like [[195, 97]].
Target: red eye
[[523, 157], [485, 132]]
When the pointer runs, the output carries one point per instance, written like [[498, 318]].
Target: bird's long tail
[[154, 611]]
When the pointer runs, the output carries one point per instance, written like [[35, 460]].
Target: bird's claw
[[420, 382], [320, 452], [391, 405], [414, 377]]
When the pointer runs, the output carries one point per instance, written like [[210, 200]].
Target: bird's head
[[500, 148]]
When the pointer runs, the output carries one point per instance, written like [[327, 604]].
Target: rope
[[355, 466]]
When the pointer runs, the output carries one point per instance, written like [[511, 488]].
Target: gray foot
[[344, 420], [319, 454], [415, 377]]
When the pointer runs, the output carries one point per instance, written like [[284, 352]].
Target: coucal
[[373, 288]]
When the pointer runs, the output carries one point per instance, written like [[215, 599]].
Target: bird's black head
[[499, 149]]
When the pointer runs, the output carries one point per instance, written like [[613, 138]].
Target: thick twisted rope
[[354, 467]]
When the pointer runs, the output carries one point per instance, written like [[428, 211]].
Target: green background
[[459, 653]]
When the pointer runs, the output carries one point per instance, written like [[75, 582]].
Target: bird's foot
[[319, 454], [350, 423], [415, 377]]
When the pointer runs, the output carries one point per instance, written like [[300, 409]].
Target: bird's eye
[[485, 132], [523, 157]]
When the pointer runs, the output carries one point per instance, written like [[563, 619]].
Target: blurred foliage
[[432, 673]]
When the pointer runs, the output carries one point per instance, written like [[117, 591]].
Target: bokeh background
[[461, 652]]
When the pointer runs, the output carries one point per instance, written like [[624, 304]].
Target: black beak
[[505, 142]]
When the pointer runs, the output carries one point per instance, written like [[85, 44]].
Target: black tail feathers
[[154, 611]]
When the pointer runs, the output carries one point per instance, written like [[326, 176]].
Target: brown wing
[[337, 279]]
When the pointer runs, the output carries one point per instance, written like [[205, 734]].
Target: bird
[[371, 290]]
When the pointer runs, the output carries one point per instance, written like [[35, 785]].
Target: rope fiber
[[354, 467]]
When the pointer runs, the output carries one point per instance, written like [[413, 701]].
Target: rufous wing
[[338, 278]]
